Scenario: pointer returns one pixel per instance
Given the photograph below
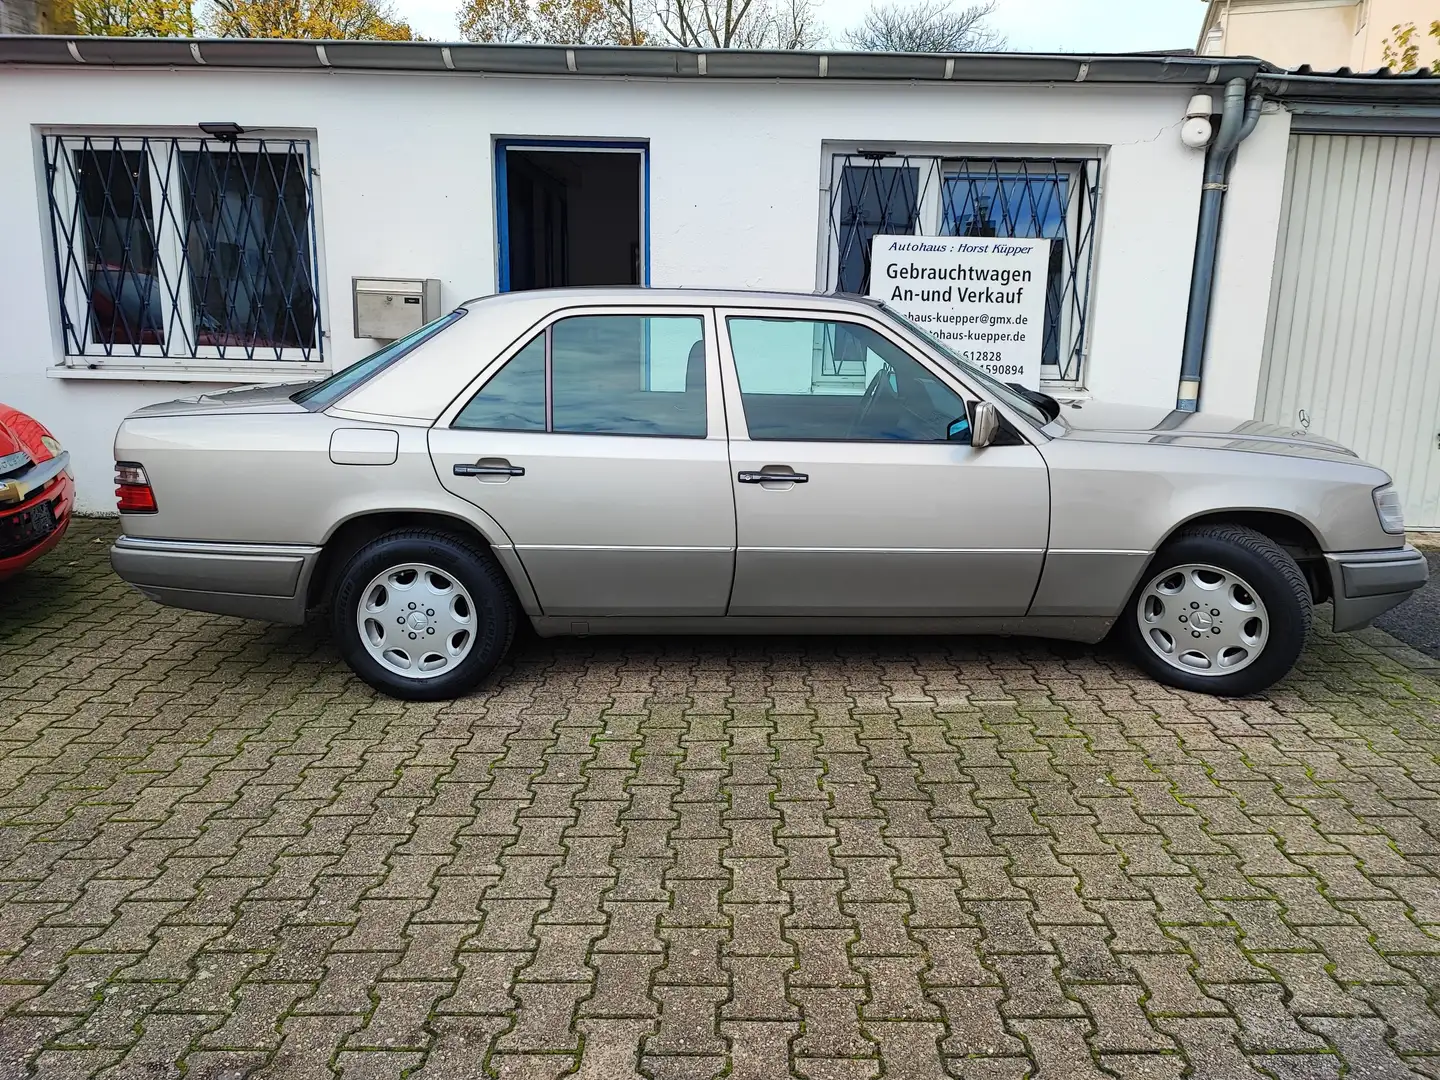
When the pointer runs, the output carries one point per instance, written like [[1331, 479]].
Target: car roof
[[643, 294], [422, 383]]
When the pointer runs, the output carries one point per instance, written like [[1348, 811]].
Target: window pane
[[1023, 206], [896, 399], [629, 375], [514, 399], [874, 200], [323, 394], [247, 246], [117, 224]]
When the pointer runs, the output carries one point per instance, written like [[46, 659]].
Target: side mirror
[[984, 424], [959, 430]]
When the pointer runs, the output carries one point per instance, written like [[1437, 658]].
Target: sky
[[1030, 25]]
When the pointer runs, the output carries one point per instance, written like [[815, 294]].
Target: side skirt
[[1085, 629]]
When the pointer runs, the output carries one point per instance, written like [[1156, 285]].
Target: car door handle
[[778, 477], [488, 470]]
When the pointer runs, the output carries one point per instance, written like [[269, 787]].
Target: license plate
[[25, 529]]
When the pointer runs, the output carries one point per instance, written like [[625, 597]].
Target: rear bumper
[[252, 581], [1369, 583]]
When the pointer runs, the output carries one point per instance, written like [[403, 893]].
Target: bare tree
[[738, 24], [926, 26]]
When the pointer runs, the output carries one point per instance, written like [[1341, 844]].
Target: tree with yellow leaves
[[1402, 52], [556, 22], [134, 18], [332, 19]]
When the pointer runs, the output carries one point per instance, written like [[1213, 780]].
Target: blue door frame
[[502, 195]]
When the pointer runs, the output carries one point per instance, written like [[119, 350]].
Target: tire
[[1249, 626], [461, 587]]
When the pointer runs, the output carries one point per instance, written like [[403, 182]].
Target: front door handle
[[489, 470], [777, 476]]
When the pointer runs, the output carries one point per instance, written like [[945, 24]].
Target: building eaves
[[621, 62]]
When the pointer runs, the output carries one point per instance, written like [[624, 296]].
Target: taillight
[[132, 489]]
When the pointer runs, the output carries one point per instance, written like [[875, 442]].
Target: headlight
[[1387, 505], [52, 444]]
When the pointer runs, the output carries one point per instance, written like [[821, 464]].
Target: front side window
[[181, 250], [606, 375], [896, 399]]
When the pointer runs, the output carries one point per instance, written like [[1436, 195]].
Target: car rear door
[[599, 446], [846, 509]]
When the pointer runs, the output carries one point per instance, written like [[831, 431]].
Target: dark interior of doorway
[[574, 218]]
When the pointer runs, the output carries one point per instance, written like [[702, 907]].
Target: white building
[[179, 216]]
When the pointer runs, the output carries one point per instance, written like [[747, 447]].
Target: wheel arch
[[354, 532], [1291, 532]]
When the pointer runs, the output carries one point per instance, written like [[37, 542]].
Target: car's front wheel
[[422, 615], [1222, 609]]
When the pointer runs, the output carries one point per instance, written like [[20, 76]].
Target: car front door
[[851, 499], [599, 446]]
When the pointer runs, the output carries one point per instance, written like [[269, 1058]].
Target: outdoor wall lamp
[[1197, 131], [227, 130]]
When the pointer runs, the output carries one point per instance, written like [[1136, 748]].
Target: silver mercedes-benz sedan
[[620, 460]]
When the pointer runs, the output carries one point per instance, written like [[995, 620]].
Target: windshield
[[970, 371], [323, 394]]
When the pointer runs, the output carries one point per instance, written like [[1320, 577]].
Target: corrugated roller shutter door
[[1354, 336]]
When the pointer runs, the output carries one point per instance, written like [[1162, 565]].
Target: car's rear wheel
[[1222, 609], [422, 615]]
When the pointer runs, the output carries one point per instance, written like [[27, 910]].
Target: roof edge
[[623, 61]]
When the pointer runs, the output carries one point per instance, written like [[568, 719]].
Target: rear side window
[[606, 375], [323, 394], [514, 400]]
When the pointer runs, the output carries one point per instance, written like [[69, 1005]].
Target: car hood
[[1140, 424], [13, 454], [251, 399]]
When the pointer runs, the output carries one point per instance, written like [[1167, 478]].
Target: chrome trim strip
[[22, 487], [893, 551], [620, 547], [213, 547]]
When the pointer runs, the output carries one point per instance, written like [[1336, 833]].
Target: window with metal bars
[[184, 252], [876, 193]]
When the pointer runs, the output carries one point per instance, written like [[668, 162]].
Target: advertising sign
[[984, 297]]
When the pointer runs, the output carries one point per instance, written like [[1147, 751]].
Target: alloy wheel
[[1203, 619], [416, 620]]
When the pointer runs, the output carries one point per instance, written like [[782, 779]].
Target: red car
[[36, 491]]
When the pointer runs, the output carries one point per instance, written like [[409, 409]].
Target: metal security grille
[[874, 193], [172, 250]]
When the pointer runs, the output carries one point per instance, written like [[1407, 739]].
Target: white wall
[[1235, 350], [406, 175]]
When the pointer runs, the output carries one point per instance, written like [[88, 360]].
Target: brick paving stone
[[675, 859]]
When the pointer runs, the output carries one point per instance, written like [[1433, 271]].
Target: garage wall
[[405, 188], [1355, 312]]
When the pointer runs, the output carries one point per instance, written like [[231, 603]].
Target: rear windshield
[[323, 394]]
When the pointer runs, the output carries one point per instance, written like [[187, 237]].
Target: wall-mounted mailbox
[[390, 308]]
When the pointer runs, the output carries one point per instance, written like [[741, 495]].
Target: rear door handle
[[776, 477], [488, 470]]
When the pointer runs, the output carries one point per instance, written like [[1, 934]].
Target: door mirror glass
[[984, 423], [959, 430]]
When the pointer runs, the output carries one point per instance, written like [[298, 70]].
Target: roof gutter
[[1237, 121]]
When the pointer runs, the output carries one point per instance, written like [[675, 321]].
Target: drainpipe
[[1236, 123]]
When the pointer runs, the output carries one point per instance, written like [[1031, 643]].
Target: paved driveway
[[830, 859]]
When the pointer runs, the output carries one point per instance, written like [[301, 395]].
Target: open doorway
[[571, 214]]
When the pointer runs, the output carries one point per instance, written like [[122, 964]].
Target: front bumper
[[1365, 584], [20, 498], [253, 581]]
